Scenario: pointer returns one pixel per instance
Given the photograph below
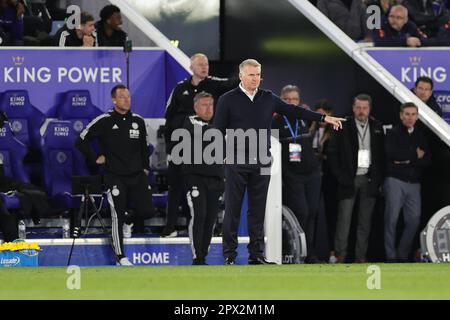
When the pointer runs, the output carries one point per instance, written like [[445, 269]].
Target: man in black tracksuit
[[249, 109], [179, 106], [204, 182], [123, 141]]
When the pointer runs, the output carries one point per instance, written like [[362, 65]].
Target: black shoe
[[260, 260], [229, 261], [391, 260], [312, 260], [169, 232], [199, 262]]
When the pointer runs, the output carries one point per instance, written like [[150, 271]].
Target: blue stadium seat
[[12, 152], [26, 120], [60, 161], [77, 107]]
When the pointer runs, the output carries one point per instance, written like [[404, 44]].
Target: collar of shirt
[[360, 123], [250, 96]]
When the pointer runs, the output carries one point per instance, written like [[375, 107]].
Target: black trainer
[[169, 232], [260, 260], [199, 262], [229, 261]]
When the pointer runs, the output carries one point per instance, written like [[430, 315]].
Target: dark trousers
[[175, 194], [203, 199], [120, 191], [8, 224], [238, 179], [400, 194], [301, 193], [365, 210], [329, 190]]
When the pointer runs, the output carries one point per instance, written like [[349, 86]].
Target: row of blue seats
[[26, 120]]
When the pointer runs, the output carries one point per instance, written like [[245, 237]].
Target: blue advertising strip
[[47, 73], [140, 251]]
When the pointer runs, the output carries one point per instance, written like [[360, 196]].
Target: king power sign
[[408, 65]]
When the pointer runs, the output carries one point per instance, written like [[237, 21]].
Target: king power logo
[[416, 69], [20, 73]]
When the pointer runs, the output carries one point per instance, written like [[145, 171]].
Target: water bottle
[[65, 228], [22, 230]]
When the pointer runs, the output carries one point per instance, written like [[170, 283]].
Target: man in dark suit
[[355, 155]]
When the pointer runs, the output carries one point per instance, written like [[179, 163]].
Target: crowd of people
[[30, 24], [403, 23], [346, 163]]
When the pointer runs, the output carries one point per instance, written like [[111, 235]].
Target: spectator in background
[[321, 134], [179, 106], [301, 169], [429, 15], [407, 154], [356, 159], [81, 36], [384, 5], [348, 15], [398, 31], [443, 36], [424, 90], [11, 22], [109, 28]]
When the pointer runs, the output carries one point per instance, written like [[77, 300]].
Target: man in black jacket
[[123, 140], [180, 106], [248, 109], [407, 153], [355, 155], [204, 182], [423, 89], [301, 169], [398, 31], [109, 31]]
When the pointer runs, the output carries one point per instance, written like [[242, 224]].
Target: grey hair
[[289, 88], [248, 62], [202, 95]]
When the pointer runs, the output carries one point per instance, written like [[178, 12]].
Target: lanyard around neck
[[294, 134]]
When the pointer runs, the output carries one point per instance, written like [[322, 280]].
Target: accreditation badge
[[363, 158], [295, 152]]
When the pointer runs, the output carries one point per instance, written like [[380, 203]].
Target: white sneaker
[[127, 230], [332, 259], [124, 262]]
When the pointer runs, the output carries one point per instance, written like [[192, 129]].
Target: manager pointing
[[248, 108]]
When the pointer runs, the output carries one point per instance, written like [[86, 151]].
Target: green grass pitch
[[291, 282]]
